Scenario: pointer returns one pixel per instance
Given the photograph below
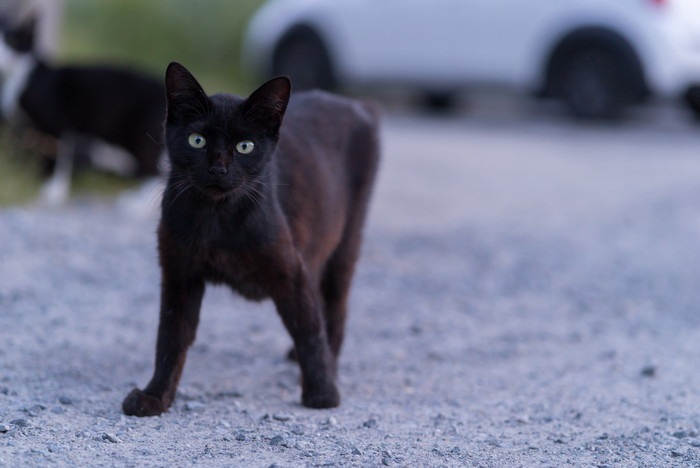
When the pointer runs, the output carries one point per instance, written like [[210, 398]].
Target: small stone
[[65, 400], [300, 445], [20, 422], [109, 437], [34, 410], [332, 421], [386, 461], [695, 443], [648, 371], [4, 428], [355, 450], [282, 417], [676, 454], [240, 437], [278, 440], [297, 430], [58, 410], [680, 434], [195, 406], [370, 423]]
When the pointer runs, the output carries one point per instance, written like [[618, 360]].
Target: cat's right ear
[[21, 37], [186, 98]]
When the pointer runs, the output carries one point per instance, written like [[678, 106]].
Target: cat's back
[[329, 125]]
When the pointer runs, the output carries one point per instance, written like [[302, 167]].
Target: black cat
[[271, 203]]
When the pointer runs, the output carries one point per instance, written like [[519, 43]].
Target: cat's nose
[[218, 171]]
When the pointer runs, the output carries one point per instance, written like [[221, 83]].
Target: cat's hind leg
[[335, 286]]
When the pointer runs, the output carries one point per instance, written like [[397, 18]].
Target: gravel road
[[528, 296]]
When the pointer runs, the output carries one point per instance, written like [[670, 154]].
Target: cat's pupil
[[196, 140], [245, 146]]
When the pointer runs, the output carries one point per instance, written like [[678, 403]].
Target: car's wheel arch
[[307, 30]]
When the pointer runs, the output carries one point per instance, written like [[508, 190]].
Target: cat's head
[[16, 41], [221, 145]]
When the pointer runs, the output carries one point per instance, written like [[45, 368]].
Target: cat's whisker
[[181, 185]]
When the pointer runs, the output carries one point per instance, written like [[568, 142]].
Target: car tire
[[302, 56], [596, 72], [438, 102], [593, 84], [692, 99]]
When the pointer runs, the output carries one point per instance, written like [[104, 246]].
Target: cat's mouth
[[218, 191]]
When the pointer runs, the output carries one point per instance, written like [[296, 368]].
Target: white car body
[[438, 45]]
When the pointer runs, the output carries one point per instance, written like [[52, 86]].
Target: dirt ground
[[527, 296]]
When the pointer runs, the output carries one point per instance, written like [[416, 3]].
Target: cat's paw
[[328, 398], [138, 403]]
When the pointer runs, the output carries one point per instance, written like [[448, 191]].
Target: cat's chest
[[231, 254]]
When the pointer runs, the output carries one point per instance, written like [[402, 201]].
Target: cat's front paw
[[138, 403], [327, 398]]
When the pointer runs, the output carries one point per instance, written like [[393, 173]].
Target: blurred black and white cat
[[77, 104]]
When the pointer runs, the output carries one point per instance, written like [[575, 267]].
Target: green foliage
[[204, 35]]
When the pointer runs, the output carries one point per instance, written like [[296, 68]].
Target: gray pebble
[[195, 406], [4, 428], [370, 423], [54, 448], [278, 440], [65, 400], [109, 437], [386, 461], [300, 445], [58, 410], [297, 430], [282, 417], [356, 451], [34, 410], [240, 436], [20, 422]]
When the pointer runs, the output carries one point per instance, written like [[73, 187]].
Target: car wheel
[[303, 57], [593, 83], [438, 102], [692, 99]]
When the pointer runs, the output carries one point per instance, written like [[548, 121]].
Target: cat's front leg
[[300, 310], [179, 317]]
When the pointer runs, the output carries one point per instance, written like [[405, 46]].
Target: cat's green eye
[[245, 146], [196, 140]]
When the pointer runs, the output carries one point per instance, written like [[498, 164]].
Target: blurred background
[[143, 35], [575, 61]]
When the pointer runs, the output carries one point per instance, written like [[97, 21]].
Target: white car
[[598, 56]]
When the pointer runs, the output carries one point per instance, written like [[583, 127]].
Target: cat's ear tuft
[[186, 97], [267, 104]]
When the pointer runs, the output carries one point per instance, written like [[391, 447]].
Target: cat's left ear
[[266, 106]]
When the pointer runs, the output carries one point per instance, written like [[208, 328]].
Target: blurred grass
[[204, 35]]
